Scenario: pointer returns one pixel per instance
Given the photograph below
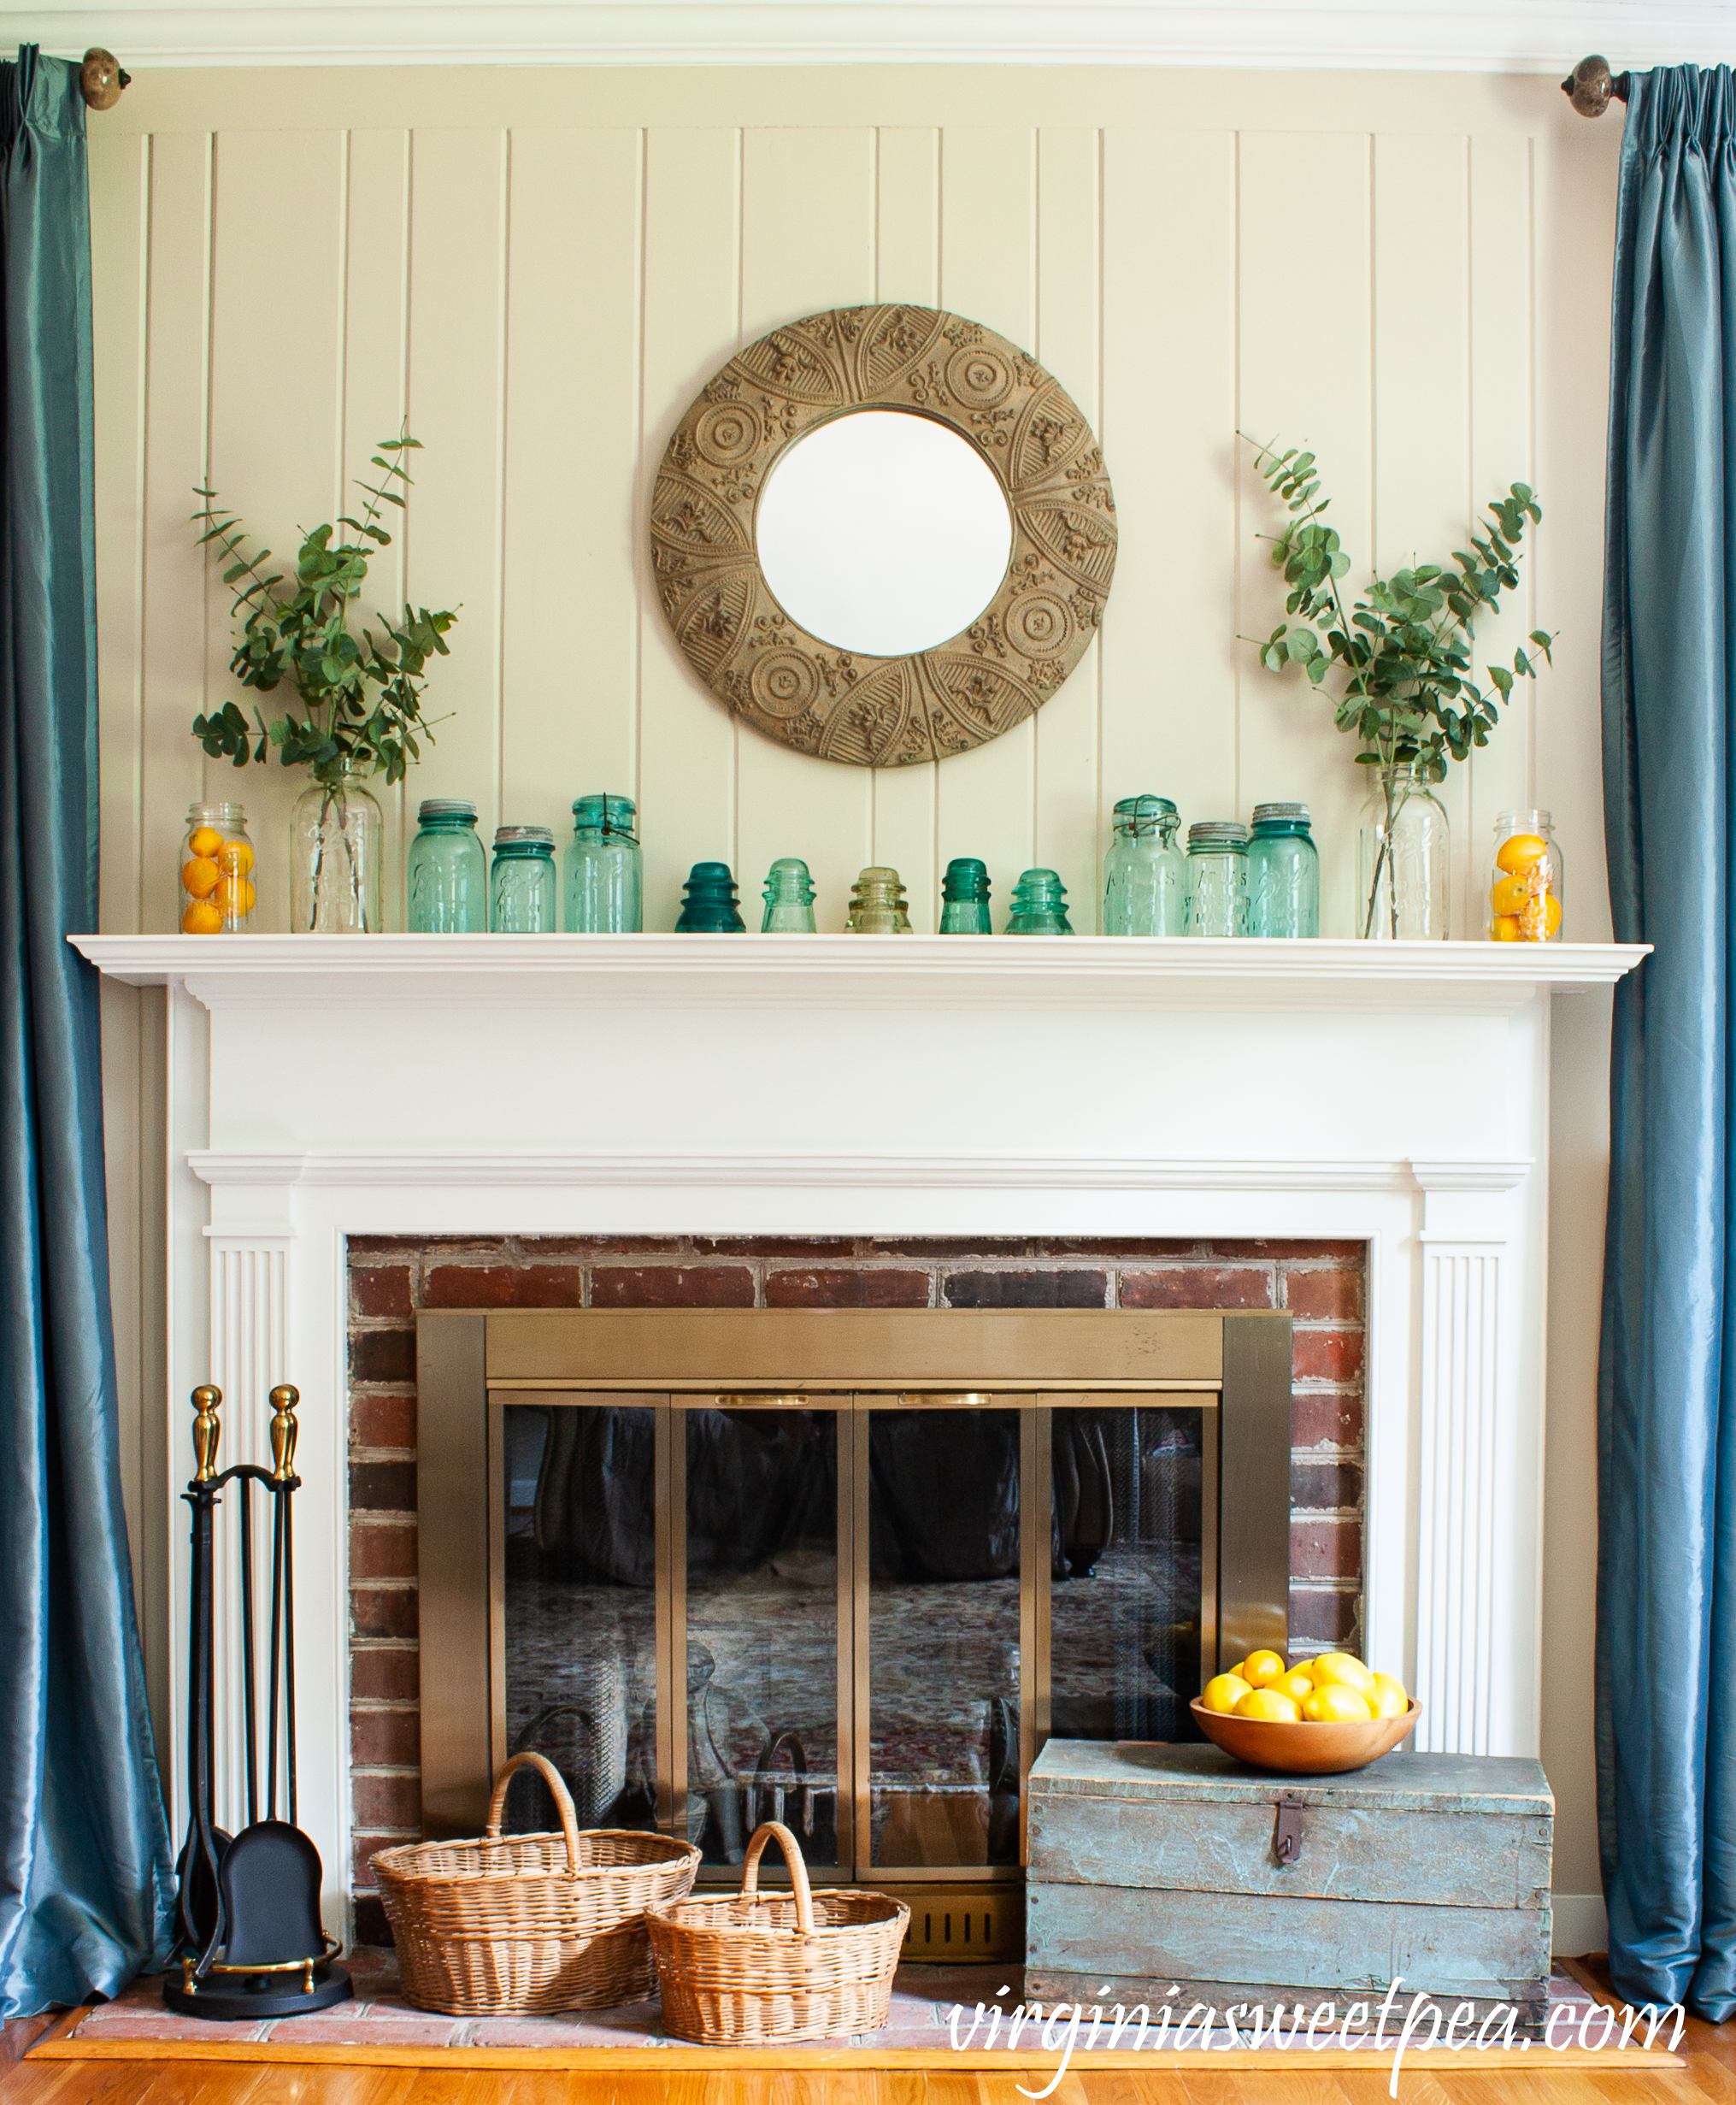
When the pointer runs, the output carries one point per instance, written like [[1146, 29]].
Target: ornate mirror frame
[[883, 712]]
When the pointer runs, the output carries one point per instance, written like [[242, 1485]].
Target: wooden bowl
[[1306, 1748]]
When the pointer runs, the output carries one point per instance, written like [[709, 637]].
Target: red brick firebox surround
[[390, 1277]]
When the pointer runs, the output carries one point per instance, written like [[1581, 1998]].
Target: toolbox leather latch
[[1287, 1834]]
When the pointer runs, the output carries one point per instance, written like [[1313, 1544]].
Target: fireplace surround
[[320, 1091]]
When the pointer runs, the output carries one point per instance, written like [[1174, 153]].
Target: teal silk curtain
[[85, 1863], [1667, 1405]]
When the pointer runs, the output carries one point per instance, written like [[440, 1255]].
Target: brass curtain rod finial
[[101, 79], [1590, 84], [206, 1431], [284, 1429]]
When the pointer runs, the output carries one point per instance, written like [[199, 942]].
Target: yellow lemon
[[1335, 1704], [206, 841], [201, 918], [1262, 1668], [1508, 895], [1551, 916], [1297, 1684], [1268, 1704], [1332, 1667], [200, 876], [235, 897], [1224, 1691], [1520, 852], [236, 858], [1390, 1698], [1239, 1670], [1504, 928]]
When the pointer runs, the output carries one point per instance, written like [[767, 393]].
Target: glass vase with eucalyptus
[[1403, 858], [336, 854]]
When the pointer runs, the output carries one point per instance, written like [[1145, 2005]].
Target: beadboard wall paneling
[[538, 268]]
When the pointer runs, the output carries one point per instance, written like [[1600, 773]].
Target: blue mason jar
[[1145, 872], [1283, 873], [1217, 877], [603, 867], [448, 885], [521, 886]]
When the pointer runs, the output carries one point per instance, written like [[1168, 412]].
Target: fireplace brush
[[255, 1898]]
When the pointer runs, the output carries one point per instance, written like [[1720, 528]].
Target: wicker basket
[[748, 1971], [517, 1923]]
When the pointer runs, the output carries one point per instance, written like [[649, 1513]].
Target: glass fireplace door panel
[[937, 1501], [1132, 1558], [761, 1613], [575, 1616]]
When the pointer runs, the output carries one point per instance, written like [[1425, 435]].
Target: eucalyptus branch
[[360, 694]]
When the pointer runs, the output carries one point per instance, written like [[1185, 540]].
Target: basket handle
[[775, 1831], [558, 1790]]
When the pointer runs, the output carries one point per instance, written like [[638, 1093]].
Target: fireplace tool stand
[[248, 1939]]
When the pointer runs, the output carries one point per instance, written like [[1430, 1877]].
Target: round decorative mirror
[[883, 534]]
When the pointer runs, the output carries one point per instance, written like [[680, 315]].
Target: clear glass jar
[[877, 904], [1283, 873], [1145, 872], [1217, 877], [1039, 906], [217, 893], [604, 876], [1527, 889], [964, 898], [789, 898], [1403, 858], [336, 855], [447, 873], [521, 884]]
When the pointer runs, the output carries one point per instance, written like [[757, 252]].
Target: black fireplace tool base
[[244, 1998]]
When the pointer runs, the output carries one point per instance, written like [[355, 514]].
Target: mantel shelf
[[822, 971]]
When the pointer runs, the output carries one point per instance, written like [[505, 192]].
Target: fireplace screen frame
[[1234, 1365]]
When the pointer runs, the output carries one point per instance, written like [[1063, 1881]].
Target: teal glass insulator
[[1217, 877], [1283, 873], [1039, 906], [1144, 871], [521, 884], [604, 876], [877, 904], [789, 898], [448, 875], [964, 898], [708, 907]]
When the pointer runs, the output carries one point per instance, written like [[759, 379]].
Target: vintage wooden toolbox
[[1154, 1868]]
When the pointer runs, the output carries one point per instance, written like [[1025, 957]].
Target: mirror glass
[[883, 532]]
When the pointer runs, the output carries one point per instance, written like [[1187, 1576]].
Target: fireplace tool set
[[248, 1937]]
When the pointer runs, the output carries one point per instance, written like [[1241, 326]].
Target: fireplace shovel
[[255, 1900]]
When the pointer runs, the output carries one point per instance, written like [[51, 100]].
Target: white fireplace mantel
[[1392, 1093]]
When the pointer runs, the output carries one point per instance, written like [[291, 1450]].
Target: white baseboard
[[1581, 1925]]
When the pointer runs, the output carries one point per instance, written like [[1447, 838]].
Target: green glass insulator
[[710, 907], [877, 904], [1039, 906], [964, 898], [789, 898]]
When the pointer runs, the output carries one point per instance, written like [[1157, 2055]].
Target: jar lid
[[524, 836], [1146, 808], [604, 809], [1217, 833], [444, 807], [1280, 815]]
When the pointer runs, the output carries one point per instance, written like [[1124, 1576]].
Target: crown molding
[[1525, 36]]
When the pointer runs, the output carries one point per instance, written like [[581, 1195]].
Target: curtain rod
[[101, 77], [1590, 84]]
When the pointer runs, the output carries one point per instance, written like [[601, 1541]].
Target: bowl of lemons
[[1321, 1716]]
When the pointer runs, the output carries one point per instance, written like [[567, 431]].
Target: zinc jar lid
[[524, 836], [1217, 833], [445, 807], [1280, 815]]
